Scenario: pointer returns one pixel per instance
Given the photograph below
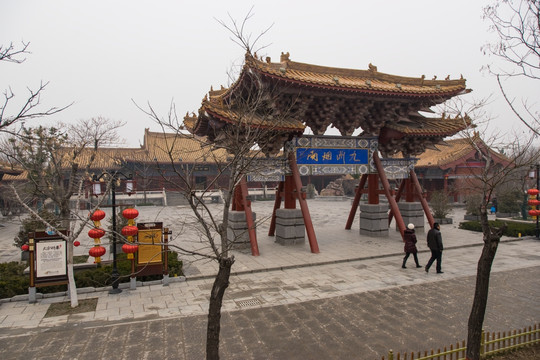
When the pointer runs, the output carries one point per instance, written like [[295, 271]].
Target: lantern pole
[[537, 198], [115, 275]]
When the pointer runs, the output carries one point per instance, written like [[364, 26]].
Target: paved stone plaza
[[351, 301]]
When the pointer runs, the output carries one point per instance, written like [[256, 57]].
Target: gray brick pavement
[[356, 326]]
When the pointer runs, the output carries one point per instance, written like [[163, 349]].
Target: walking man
[[434, 242]]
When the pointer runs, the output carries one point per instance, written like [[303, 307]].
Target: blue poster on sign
[[326, 156]]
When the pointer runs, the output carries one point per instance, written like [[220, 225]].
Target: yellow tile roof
[[228, 114], [181, 147], [422, 126], [368, 81], [454, 150]]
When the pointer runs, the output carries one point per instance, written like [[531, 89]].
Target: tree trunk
[[72, 287], [214, 312], [476, 318]]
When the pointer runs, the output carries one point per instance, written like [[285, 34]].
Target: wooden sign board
[[49, 263], [150, 239]]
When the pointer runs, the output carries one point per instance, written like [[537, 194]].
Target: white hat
[[410, 226]]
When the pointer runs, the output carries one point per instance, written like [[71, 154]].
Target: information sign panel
[[51, 258], [322, 156], [334, 155], [150, 249]]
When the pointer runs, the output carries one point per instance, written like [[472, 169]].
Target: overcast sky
[[103, 55]]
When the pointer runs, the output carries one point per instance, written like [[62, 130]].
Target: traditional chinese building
[[285, 97], [454, 167], [302, 95]]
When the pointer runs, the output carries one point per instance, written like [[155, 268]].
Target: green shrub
[[473, 203], [509, 201], [32, 224], [513, 228], [13, 281], [439, 204]]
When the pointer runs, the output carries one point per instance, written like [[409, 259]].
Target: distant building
[[455, 167]]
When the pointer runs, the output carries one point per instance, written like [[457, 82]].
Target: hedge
[[13, 281], [513, 228]]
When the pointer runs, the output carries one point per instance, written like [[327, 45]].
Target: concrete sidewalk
[[352, 300], [284, 275]]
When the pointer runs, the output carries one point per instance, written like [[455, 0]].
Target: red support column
[[289, 194], [303, 205], [409, 195], [373, 189], [237, 204], [425, 205], [277, 205], [356, 201], [398, 197], [249, 217], [386, 186]]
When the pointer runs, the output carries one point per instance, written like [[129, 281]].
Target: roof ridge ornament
[[372, 67], [284, 57]]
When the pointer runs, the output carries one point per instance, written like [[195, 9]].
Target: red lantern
[[97, 215], [532, 192], [25, 247], [130, 248], [534, 212], [76, 243], [129, 230], [97, 251], [130, 213], [533, 202], [96, 233]]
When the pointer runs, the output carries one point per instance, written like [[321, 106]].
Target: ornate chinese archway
[[291, 96]]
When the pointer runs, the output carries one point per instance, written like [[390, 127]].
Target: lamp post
[[535, 171], [130, 189]]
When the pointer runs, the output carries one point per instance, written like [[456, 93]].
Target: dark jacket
[[434, 240], [410, 241]]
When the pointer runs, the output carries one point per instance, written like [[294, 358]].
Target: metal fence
[[491, 343]]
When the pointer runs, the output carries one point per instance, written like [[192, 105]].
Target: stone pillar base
[[290, 228], [374, 220], [133, 283], [412, 213], [237, 231], [32, 295]]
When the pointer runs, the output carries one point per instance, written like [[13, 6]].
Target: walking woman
[[410, 245]]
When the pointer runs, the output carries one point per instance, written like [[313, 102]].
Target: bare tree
[[29, 109], [499, 171], [233, 149], [57, 163], [517, 26]]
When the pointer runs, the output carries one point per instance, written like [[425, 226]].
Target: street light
[[532, 175], [129, 189]]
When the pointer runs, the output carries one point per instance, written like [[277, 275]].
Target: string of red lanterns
[[129, 231], [96, 233], [535, 203]]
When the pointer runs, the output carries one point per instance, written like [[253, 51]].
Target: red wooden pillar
[[409, 194], [290, 195], [303, 204], [446, 183], [277, 205], [241, 203], [373, 189], [425, 206], [237, 204], [356, 201], [386, 186]]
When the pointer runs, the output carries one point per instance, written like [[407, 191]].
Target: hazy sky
[[101, 55]]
